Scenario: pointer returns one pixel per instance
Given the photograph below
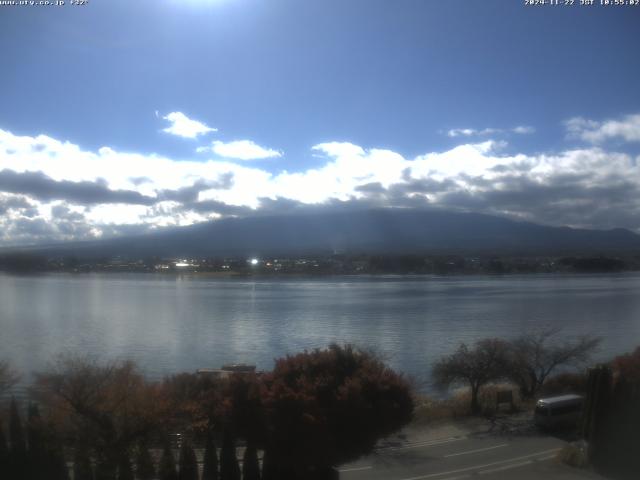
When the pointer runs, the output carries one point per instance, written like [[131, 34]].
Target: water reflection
[[169, 323]]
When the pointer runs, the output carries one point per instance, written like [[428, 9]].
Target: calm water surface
[[170, 324]]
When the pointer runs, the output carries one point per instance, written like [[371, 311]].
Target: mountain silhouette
[[367, 231]]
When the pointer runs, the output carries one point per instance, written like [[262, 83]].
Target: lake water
[[181, 323]]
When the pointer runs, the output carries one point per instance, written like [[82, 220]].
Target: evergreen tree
[[210, 467], [82, 469], [269, 468], [250, 464], [18, 464], [35, 432], [125, 471], [4, 453], [144, 464], [167, 467], [37, 457], [106, 468], [18, 444], [188, 463], [229, 468], [56, 464], [62, 469]]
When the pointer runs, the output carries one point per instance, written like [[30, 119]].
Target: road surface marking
[[506, 467], [355, 469], [426, 443], [516, 465], [478, 467], [476, 451]]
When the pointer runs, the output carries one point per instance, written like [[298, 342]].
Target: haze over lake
[[181, 323]]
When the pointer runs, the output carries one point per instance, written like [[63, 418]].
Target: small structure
[[502, 397], [227, 370]]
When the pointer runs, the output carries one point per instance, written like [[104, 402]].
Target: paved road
[[488, 456]]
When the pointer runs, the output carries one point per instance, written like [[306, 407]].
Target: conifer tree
[[229, 468], [167, 467], [125, 472], [106, 468], [18, 444], [269, 468], [145, 469], [82, 469], [210, 467], [55, 463], [250, 464], [4, 453], [188, 463], [37, 455], [18, 465]]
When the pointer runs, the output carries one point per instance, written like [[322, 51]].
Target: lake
[[181, 323]]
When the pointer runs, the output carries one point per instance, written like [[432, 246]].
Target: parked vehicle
[[563, 411]]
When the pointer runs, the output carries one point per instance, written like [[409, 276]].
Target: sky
[[121, 117]]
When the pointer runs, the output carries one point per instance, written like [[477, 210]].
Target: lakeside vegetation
[[313, 411]]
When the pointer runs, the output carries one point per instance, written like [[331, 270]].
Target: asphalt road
[[486, 456]]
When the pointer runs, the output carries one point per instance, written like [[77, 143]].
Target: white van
[[557, 412]]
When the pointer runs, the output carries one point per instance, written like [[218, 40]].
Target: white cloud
[[471, 170], [241, 150], [185, 127], [627, 129], [339, 149], [523, 130], [462, 132], [472, 132]]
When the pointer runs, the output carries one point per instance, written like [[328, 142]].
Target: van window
[[565, 409]]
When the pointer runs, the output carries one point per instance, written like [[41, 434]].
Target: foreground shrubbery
[[313, 411]]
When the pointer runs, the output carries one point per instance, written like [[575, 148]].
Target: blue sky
[[285, 87]]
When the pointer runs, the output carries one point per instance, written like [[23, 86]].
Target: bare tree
[[534, 356], [8, 376], [474, 367], [108, 406]]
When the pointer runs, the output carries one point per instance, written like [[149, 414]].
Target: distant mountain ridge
[[387, 231]]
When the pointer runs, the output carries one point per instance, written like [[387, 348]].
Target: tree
[[330, 406], [167, 467], [18, 465], [188, 462], [8, 377], [210, 467], [4, 452], [144, 463], [109, 406], [229, 468], [82, 469], [628, 366], [269, 468], [125, 472], [36, 439], [534, 356], [475, 367], [250, 464], [18, 443], [106, 466], [241, 410], [194, 400], [57, 464]]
